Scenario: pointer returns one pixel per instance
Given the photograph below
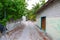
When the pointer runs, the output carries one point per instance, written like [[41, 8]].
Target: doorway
[[43, 23]]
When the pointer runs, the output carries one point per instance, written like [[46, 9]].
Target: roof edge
[[45, 5]]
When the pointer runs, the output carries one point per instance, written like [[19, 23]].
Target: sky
[[30, 2]]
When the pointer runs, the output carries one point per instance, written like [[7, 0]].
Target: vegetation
[[31, 14], [15, 9], [11, 9]]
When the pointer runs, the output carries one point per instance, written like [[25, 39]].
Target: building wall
[[11, 25], [52, 13], [53, 10]]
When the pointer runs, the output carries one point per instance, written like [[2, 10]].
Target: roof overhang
[[44, 6]]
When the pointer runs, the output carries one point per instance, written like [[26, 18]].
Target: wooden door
[[43, 23]]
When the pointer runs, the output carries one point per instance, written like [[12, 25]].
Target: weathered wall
[[52, 13], [11, 25]]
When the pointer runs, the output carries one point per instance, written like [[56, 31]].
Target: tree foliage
[[11, 9], [31, 14], [15, 9]]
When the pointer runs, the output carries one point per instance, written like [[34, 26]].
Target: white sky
[[30, 2]]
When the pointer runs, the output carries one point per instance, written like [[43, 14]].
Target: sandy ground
[[26, 31]]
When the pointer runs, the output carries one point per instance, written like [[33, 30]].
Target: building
[[48, 18]]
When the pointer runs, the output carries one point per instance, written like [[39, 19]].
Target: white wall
[[53, 10], [53, 27], [11, 25], [52, 13]]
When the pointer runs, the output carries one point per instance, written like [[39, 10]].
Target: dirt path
[[27, 31]]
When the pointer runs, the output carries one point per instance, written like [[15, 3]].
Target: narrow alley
[[27, 31]]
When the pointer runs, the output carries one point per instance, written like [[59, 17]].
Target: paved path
[[27, 31]]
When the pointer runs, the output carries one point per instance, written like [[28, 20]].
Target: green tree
[[11, 9], [31, 14]]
